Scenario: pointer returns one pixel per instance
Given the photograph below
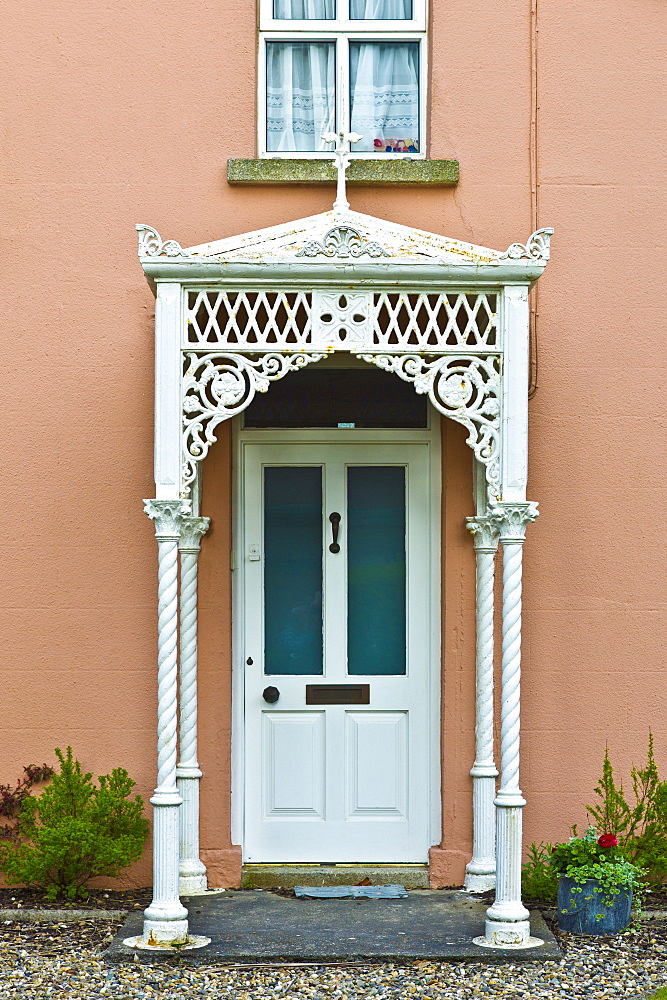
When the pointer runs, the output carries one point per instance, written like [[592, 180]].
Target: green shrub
[[640, 828], [75, 831], [538, 878]]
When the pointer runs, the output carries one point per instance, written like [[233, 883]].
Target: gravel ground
[[65, 960]]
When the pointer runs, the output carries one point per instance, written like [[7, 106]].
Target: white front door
[[337, 652]]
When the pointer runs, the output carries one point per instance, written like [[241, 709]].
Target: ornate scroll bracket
[[216, 387], [513, 518], [151, 244], [342, 242], [465, 389], [168, 516], [537, 247]]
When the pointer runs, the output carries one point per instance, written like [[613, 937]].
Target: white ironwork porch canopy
[[239, 313], [450, 318]]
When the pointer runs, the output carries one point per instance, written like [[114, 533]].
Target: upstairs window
[[342, 65]]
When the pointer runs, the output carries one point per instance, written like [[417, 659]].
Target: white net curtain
[[384, 82]]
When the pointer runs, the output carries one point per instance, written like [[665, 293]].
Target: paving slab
[[257, 926]]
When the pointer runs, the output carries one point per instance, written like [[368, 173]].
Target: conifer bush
[[640, 826], [75, 831], [636, 824]]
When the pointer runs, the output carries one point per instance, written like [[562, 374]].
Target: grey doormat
[[350, 891], [253, 925]]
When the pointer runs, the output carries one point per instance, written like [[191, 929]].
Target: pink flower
[[607, 840]]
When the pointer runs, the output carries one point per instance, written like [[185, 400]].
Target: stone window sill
[[379, 173]]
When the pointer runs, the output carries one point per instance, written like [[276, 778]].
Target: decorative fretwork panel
[[407, 321], [343, 319], [219, 385], [265, 320], [467, 389]]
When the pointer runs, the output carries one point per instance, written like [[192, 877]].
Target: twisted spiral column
[[481, 870], [192, 872], [507, 923], [166, 918]]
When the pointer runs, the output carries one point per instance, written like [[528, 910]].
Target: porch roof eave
[[313, 273]]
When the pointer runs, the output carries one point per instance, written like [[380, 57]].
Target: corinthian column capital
[[168, 516], [192, 531], [485, 533], [512, 519]]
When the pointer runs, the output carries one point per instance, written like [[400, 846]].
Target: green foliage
[[538, 878], [640, 828], [584, 858], [75, 831], [584, 852]]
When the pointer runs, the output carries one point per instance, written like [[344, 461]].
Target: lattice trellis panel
[[266, 320], [407, 321], [395, 322]]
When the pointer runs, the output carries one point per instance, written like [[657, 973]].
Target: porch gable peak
[[350, 238]]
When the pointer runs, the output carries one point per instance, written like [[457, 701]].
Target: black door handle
[[335, 524], [271, 694]]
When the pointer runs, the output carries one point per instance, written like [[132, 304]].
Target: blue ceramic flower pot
[[582, 910]]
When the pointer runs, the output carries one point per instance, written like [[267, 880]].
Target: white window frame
[[342, 31]]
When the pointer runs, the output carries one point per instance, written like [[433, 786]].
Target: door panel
[[293, 755], [336, 782], [376, 752]]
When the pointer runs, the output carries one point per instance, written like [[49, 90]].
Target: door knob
[[271, 694]]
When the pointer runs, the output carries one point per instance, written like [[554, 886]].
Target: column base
[[161, 933], [507, 935], [479, 881], [191, 942], [192, 885]]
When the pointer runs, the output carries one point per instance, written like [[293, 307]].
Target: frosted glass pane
[[304, 10], [376, 570], [293, 570], [300, 95], [384, 96], [381, 10]]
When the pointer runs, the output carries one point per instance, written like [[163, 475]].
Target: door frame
[[307, 435]]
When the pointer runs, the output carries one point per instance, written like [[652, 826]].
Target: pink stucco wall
[[117, 113]]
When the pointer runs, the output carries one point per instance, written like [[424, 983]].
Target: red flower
[[607, 840]]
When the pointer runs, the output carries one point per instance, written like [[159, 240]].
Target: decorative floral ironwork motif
[[218, 386], [343, 242], [537, 247], [152, 245], [341, 319], [465, 389]]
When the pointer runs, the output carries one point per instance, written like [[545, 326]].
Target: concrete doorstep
[[257, 926]]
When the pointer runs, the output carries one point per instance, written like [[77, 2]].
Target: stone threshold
[[286, 876], [377, 173]]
